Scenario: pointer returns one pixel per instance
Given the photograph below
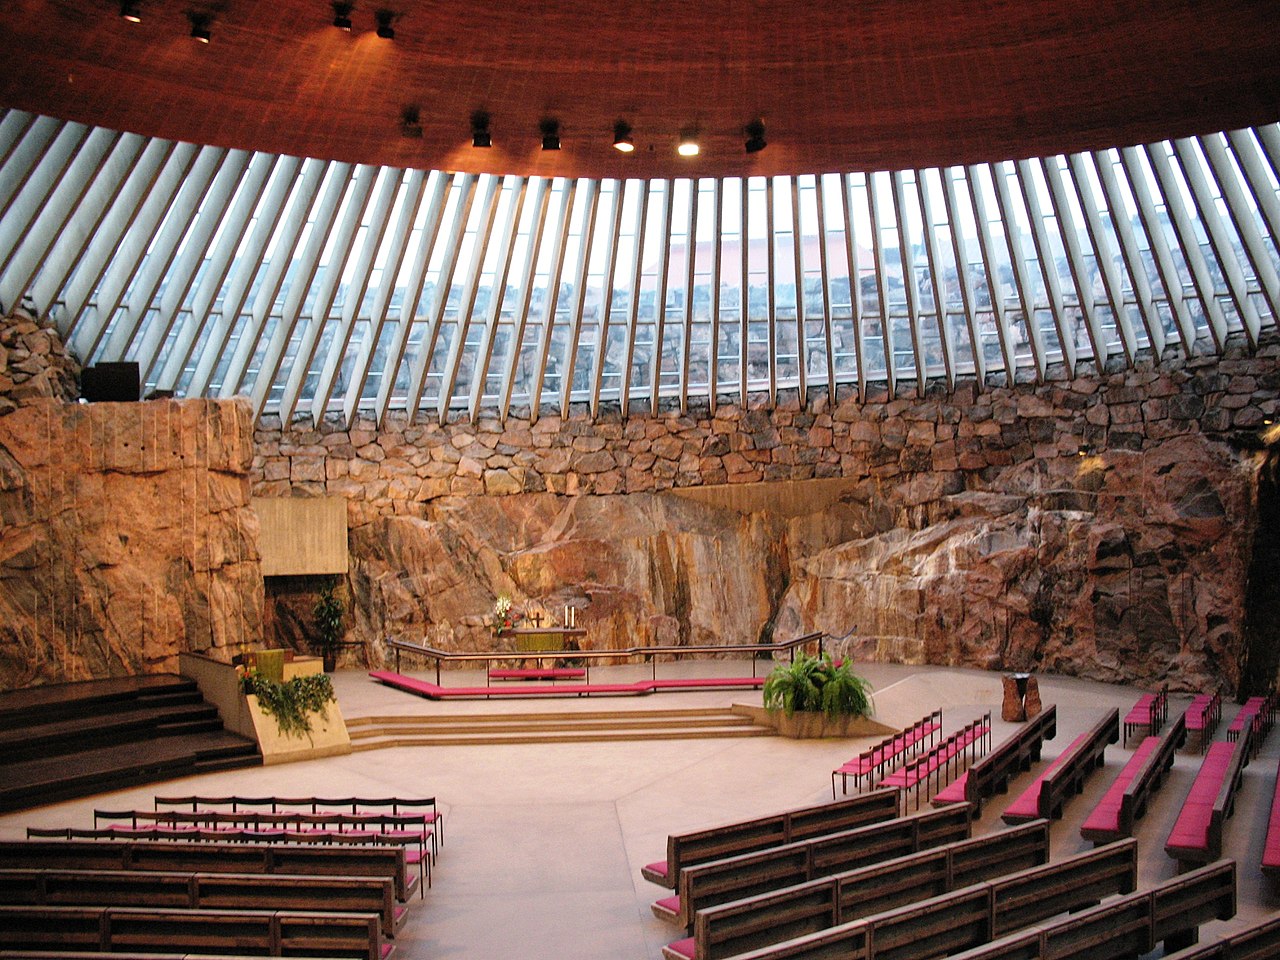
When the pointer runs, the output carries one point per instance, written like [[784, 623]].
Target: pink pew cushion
[[952, 792], [1271, 850], [684, 948], [1191, 829], [659, 868], [669, 905]]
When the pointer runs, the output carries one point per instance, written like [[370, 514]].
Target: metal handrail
[[440, 656]]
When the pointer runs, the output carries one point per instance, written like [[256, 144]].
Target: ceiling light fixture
[[688, 145], [384, 18], [342, 14], [411, 122], [755, 136], [480, 136], [200, 26], [550, 130], [131, 10], [622, 137]]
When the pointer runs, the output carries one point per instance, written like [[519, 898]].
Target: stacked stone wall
[[1099, 525]]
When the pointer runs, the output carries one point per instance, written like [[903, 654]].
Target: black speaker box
[[110, 382]]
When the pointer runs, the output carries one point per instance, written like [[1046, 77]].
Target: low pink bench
[[1203, 717], [990, 774], [970, 741], [558, 673], [1126, 799], [1196, 836], [1065, 776], [1149, 713], [888, 752], [1271, 849]]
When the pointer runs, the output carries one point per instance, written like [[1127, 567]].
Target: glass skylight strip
[[323, 289]]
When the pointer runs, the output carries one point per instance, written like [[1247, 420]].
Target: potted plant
[[816, 697], [327, 615]]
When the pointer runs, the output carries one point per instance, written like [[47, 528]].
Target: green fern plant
[[812, 684]]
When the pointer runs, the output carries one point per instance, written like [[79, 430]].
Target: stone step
[[489, 738], [370, 733]]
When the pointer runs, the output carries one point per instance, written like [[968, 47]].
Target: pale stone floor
[[544, 842]]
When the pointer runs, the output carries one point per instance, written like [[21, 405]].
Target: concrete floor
[[544, 842]]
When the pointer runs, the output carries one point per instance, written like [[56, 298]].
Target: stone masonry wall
[[972, 529]]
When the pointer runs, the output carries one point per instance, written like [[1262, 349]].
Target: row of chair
[[872, 764], [931, 770]]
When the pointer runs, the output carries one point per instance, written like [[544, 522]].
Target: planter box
[[328, 735], [814, 726]]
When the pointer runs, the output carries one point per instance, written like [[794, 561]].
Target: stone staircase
[[375, 733]]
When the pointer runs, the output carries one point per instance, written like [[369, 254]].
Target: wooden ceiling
[[877, 84]]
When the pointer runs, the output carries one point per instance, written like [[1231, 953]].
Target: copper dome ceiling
[[839, 86]]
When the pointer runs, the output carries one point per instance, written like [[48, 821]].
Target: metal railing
[[652, 653]]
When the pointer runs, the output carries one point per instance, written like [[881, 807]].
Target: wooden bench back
[[991, 773], [732, 878], [1065, 779], [201, 891], [971, 916], [749, 923], [1133, 802], [298, 804], [161, 930], [178, 856], [1127, 926], [684, 850]]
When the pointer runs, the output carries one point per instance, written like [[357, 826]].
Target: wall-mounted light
[[131, 10], [622, 137], [688, 144], [200, 24], [1085, 450], [342, 14], [480, 136], [550, 130], [384, 19], [755, 136]]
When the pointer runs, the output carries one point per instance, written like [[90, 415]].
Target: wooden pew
[[1271, 848], [973, 915], [752, 922], [1259, 942], [166, 930], [1126, 799], [205, 891], [730, 839], [991, 774], [1128, 926], [1196, 836], [311, 859], [731, 878], [1065, 776]]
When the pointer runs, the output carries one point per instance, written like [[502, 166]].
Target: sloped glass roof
[[317, 287]]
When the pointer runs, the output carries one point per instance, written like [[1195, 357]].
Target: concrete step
[[372, 733]]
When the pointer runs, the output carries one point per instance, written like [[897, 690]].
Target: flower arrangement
[[504, 618]]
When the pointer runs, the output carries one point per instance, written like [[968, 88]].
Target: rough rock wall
[[972, 530], [127, 537]]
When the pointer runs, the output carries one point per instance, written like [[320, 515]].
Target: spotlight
[[480, 136], [622, 137], [342, 14], [384, 18], [550, 130], [410, 122], [688, 145], [755, 136], [1085, 449], [200, 26], [131, 10]]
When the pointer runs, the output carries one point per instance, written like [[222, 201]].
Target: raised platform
[[433, 691]]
